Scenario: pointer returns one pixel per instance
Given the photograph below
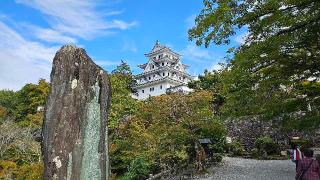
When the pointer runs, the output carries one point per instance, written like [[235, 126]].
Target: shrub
[[266, 145], [3, 113], [303, 143], [7, 169], [139, 169], [235, 148], [255, 153], [30, 172], [216, 158]]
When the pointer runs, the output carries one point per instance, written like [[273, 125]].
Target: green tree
[[29, 98], [20, 154], [275, 74], [8, 100], [122, 103], [165, 129], [208, 81], [123, 106], [123, 68]]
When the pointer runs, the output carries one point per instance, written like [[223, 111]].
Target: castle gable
[[162, 72]]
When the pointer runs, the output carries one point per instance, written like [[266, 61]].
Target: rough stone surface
[[75, 126], [250, 169], [247, 130]]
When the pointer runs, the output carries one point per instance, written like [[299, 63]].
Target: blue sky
[[31, 31]]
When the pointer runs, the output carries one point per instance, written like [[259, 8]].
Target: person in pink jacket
[[308, 168]]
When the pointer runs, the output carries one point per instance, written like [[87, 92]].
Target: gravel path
[[250, 169]]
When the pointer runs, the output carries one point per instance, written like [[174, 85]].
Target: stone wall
[[247, 130]]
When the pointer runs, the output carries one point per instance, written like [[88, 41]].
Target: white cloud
[[50, 35], [193, 52], [202, 58], [241, 38], [216, 67], [22, 61], [121, 24], [190, 21], [77, 18], [105, 63], [112, 13], [129, 45]]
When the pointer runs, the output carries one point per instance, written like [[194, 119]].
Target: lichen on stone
[[57, 162], [90, 168], [74, 83], [69, 168]]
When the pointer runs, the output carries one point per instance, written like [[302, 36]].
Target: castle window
[[149, 78], [152, 66], [163, 74], [162, 64], [142, 91], [151, 89], [160, 86]]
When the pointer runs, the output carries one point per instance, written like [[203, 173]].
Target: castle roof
[[157, 48], [161, 69], [148, 83]]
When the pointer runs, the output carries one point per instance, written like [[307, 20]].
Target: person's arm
[[299, 170]]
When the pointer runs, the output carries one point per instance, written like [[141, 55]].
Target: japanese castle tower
[[163, 73]]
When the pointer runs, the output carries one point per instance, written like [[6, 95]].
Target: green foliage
[[255, 153], [139, 169], [165, 129], [18, 120], [30, 172], [217, 158], [208, 81], [123, 68], [122, 104], [235, 148], [274, 75], [7, 169], [10, 170], [266, 145], [302, 143], [8, 100], [22, 105], [32, 120], [17, 144], [30, 97], [3, 114]]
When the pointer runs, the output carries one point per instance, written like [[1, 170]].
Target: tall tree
[[275, 74], [122, 103], [123, 68]]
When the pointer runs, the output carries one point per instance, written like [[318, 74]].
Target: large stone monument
[[75, 127]]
